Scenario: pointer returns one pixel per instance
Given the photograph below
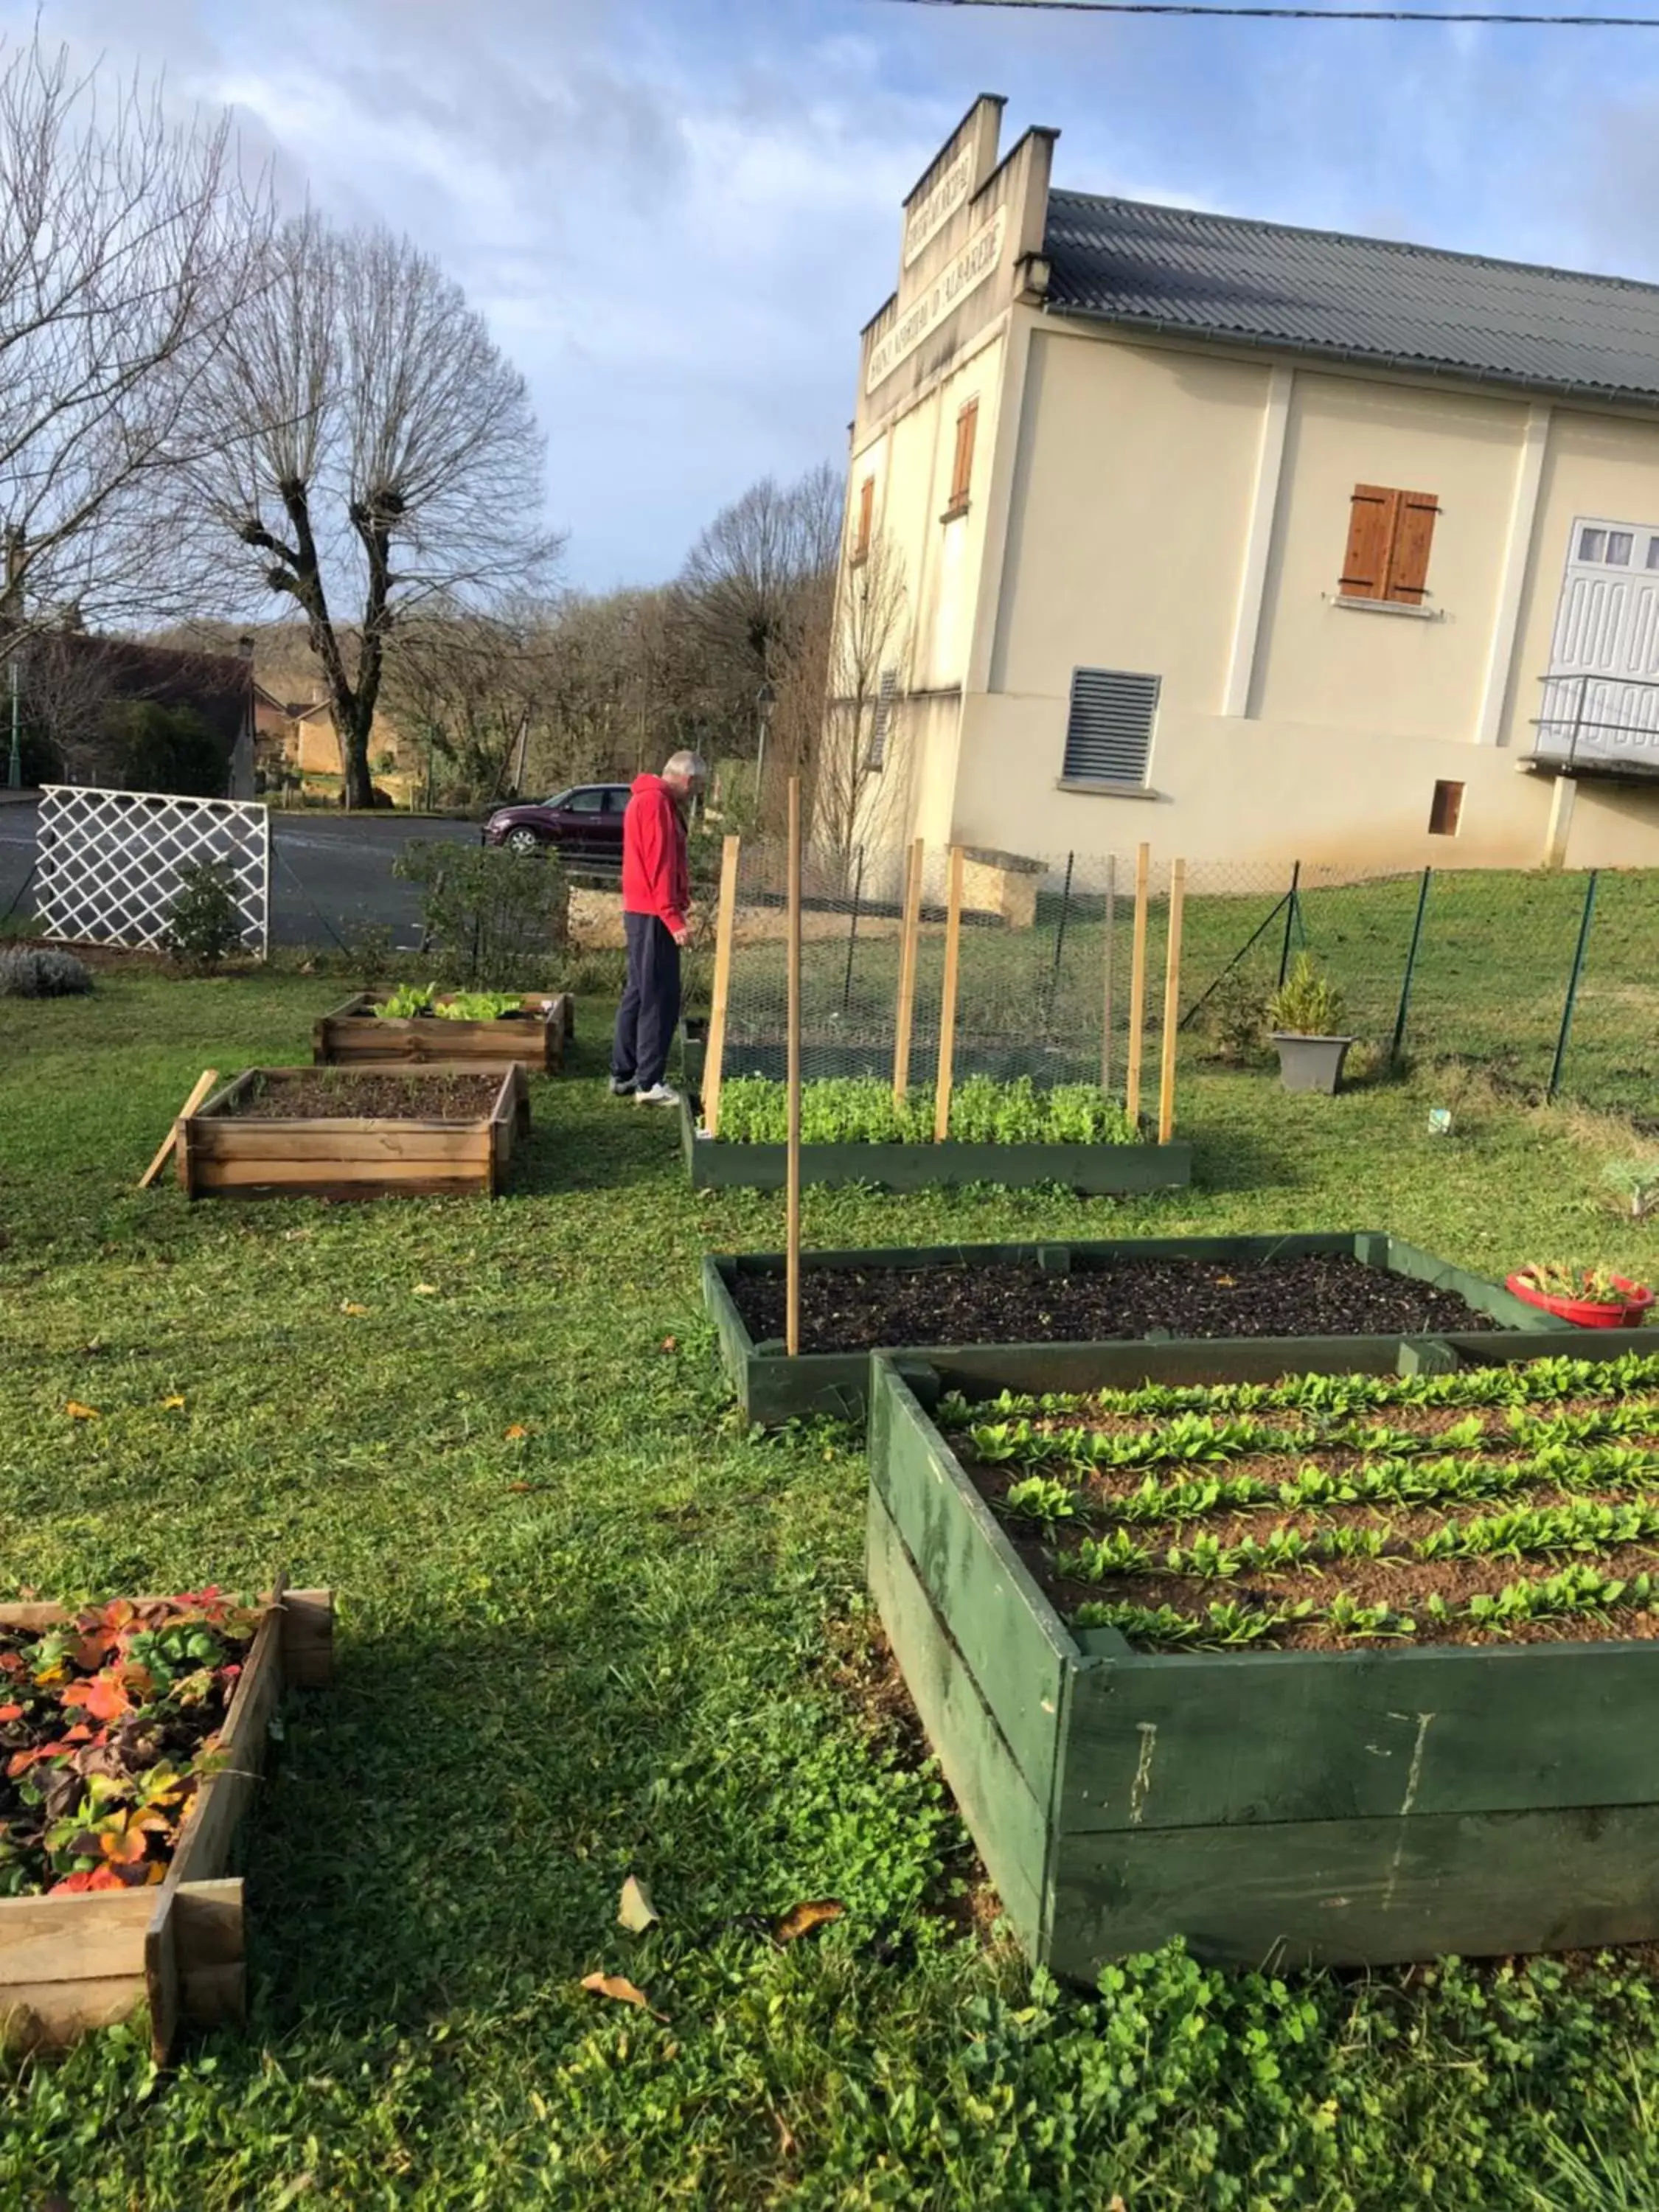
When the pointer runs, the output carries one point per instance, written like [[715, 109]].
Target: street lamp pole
[[15, 773], [765, 699]]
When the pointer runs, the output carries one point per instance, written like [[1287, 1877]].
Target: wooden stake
[[205, 1083], [1106, 978], [714, 1056], [907, 984], [1166, 1087], [947, 1009], [1138, 984], [792, 1222]]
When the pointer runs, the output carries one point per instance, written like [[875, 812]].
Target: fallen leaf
[[671, 1344], [11, 1712], [802, 1919], [350, 1306], [174, 1404], [1227, 1282], [426, 1290], [635, 1910], [621, 1990], [517, 1431], [77, 1412]]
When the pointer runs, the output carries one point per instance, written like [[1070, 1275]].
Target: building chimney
[[245, 647]]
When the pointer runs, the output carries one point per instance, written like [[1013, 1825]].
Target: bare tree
[[470, 684], [377, 453], [127, 246], [752, 587], [847, 687]]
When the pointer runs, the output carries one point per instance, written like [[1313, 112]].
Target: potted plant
[[1304, 1020], [1589, 1298]]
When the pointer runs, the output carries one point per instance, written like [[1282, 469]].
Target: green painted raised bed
[[1301, 1808], [1099, 1171], [773, 1389]]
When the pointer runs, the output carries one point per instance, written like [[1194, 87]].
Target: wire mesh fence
[[1546, 981]]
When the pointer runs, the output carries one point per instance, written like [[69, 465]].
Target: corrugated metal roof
[[1357, 299]]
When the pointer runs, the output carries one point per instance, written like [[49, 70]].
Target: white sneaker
[[659, 1094]]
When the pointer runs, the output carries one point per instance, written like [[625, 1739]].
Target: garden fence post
[[1138, 984], [1166, 1089], [947, 1009], [852, 933], [715, 1054], [1291, 918], [1059, 944], [906, 981], [791, 1188], [1106, 979], [1399, 1045], [1578, 950]]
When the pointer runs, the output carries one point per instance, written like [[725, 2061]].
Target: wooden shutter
[[961, 471], [866, 517], [1109, 732], [1370, 540], [1407, 574]]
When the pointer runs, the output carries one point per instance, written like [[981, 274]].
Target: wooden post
[[1166, 1087], [715, 1056], [205, 1083], [947, 1008], [907, 983], [1106, 977], [791, 1206], [1138, 984]]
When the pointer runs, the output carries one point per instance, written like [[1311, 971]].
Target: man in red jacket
[[656, 887]]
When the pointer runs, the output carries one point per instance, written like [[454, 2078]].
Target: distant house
[[75, 683], [1260, 543], [295, 734]]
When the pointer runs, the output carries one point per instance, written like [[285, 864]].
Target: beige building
[[1257, 542]]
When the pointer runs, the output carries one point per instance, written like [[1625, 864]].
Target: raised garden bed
[[354, 1132], [1044, 1317], [138, 1906], [1331, 1788], [1097, 1169], [535, 1036]]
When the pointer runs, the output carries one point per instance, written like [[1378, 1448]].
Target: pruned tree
[[129, 246], [468, 684], [374, 452], [850, 698]]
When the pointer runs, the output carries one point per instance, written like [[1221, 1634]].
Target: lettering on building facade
[[945, 196], [959, 276]]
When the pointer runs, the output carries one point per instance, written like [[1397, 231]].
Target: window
[[1390, 534], [867, 515], [962, 468], [583, 802], [617, 799], [1599, 547], [875, 753], [1445, 810], [1109, 732]]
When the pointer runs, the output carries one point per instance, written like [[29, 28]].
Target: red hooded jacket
[[655, 879]]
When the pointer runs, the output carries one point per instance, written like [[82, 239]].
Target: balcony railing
[[1610, 723]]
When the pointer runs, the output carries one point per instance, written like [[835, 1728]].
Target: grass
[[632, 1638]]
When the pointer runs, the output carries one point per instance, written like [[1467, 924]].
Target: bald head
[[685, 773]]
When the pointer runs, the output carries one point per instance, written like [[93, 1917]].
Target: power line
[[1301, 15]]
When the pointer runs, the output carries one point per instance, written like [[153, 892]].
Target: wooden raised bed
[[1346, 1807], [351, 1035], [220, 1152], [773, 1389], [1099, 1171], [69, 1964]]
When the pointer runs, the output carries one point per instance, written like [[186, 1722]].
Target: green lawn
[[634, 1639]]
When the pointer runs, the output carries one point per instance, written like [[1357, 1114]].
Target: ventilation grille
[[1109, 737]]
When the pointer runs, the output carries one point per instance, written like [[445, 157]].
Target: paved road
[[327, 875]]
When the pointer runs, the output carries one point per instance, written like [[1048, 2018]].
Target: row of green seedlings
[[861, 1109], [1576, 1450]]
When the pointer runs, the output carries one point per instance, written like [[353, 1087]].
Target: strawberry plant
[[108, 1723]]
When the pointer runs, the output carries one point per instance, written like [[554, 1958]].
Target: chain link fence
[[1549, 983]]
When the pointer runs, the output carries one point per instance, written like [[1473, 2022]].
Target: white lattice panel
[[109, 862]]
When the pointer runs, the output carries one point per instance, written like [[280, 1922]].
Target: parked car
[[584, 824]]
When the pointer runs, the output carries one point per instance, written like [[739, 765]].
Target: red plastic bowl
[[1584, 1313]]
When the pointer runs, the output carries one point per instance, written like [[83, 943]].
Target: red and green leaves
[[109, 1722]]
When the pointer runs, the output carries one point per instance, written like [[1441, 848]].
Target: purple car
[[584, 824]]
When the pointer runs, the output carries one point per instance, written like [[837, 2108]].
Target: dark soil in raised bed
[[323, 1095], [1318, 1294]]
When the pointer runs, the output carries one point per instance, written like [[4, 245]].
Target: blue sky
[[676, 214]]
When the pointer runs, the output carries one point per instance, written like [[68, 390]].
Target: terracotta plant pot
[[1310, 1063], [1587, 1313]]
